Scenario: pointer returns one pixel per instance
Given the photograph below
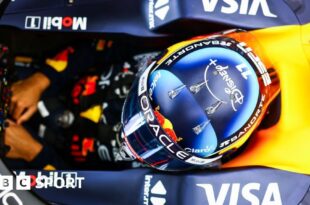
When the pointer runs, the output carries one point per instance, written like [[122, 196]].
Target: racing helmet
[[198, 103]]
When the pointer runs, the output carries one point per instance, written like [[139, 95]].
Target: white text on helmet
[[257, 61], [248, 125], [202, 150], [153, 84], [155, 129], [231, 89], [183, 51]]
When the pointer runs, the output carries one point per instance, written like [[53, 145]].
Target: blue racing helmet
[[197, 104]]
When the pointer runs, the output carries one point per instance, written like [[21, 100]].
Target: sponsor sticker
[[249, 192], [56, 23], [243, 7]]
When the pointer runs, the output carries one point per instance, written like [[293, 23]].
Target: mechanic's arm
[[24, 146], [26, 95]]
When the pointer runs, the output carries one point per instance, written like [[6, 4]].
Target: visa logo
[[248, 192], [244, 7]]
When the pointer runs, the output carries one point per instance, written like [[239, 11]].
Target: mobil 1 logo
[[74, 23]]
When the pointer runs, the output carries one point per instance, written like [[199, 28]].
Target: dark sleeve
[[76, 60], [47, 159]]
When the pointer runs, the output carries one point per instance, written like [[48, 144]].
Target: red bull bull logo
[[60, 61], [166, 125]]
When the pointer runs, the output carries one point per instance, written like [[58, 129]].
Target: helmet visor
[[144, 139]]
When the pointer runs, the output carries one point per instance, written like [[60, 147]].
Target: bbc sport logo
[[57, 180]]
